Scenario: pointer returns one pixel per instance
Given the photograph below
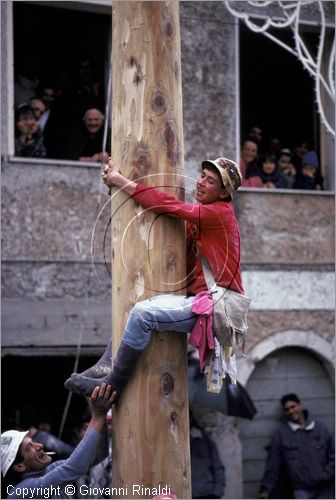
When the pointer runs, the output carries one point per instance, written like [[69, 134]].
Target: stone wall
[[48, 216], [209, 87], [53, 287], [286, 228]]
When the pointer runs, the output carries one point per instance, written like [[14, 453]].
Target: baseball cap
[[10, 443], [229, 172], [285, 151]]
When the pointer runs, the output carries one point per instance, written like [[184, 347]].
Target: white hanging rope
[[99, 211], [292, 18]]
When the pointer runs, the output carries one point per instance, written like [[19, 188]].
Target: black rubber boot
[[99, 369], [123, 367], [103, 365]]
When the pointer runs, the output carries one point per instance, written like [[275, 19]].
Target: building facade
[[56, 304]]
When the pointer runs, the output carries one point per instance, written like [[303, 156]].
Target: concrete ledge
[[55, 322], [290, 290]]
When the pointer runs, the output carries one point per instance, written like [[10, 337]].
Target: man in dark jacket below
[[301, 451]]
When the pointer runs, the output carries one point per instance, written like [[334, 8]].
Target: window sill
[[50, 161], [285, 191]]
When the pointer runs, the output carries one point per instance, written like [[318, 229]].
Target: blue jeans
[[161, 313]]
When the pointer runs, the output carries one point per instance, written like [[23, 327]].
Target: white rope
[[292, 12], [75, 367], [331, 68], [99, 200]]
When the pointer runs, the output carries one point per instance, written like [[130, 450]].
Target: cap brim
[[206, 163]]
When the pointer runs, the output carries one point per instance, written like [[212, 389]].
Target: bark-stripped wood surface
[[151, 421]]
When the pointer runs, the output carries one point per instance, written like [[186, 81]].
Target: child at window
[[271, 177]]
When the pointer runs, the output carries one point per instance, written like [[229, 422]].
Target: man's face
[[48, 97], [293, 411], [38, 108], [209, 188], [301, 149], [34, 458], [256, 132], [93, 121]]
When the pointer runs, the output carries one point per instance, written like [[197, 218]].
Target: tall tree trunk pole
[[151, 420]]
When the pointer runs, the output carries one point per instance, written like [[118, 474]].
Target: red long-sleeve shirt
[[212, 230]]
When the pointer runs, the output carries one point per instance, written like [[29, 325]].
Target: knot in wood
[[173, 417], [172, 145], [169, 30], [167, 383], [158, 102], [132, 61]]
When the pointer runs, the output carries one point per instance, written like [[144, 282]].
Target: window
[[61, 53], [278, 96]]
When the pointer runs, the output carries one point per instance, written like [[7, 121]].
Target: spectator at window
[[86, 140], [83, 90], [300, 149], [53, 122], [307, 178], [47, 96], [38, 107], [249, 165], [274, 146], [255, 133], [28, 135], [271, 176], [61, 82], [285, 166], [26, 81]]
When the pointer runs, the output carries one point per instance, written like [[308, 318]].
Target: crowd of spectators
[[273, 165], [62, 118]]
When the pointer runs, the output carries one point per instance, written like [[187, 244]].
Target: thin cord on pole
[[80, 337], [68, 401]]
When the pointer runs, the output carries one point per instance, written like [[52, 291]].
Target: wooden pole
[[151, 421]]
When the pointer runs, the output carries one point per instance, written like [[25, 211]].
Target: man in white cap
[[212, 232], [26, 467]]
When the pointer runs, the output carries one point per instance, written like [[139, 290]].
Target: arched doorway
[[290, 369]]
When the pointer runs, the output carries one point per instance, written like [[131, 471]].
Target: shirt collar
[[295, 427]]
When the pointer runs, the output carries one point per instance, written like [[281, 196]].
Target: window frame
[[7, 41], [327, 143]]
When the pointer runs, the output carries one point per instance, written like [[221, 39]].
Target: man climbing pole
[[212, 233]]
